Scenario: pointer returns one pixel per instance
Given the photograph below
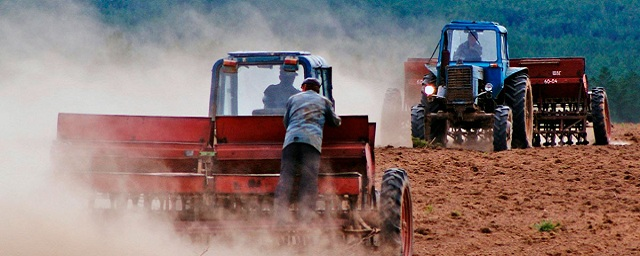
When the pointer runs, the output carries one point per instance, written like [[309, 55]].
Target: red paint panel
[[248, 151], [557, 91], [133, 128], [546, 81], [341, 184], [125, 157], [249, 129], [128, 149], [552, 67], [555, 78], [274, 151], [270, 129], [372, 135], [352, 129], [135, 144], [343, 150], [245, 184], [145, 183]]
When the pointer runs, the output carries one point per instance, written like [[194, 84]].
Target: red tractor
[[218, 173]]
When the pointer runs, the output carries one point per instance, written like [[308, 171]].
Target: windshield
[[256, 90], [472, 45]]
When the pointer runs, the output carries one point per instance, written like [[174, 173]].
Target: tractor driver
[[304, 119], [470, 50], [276, 95]]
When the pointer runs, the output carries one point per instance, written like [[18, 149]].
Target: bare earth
[[469, 202]]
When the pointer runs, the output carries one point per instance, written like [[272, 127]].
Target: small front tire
[[417, 121], [500, 128]]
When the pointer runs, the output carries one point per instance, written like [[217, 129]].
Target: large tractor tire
[[600, 116], [417, 121], [396, 231], [501, 128], [519, 98]]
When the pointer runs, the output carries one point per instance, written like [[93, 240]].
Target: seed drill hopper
[[218, 173], [564, 105]]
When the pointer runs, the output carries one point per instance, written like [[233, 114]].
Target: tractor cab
[[475, 43], [259, 83], [489, 39]]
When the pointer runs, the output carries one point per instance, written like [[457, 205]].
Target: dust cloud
[[59, 56]]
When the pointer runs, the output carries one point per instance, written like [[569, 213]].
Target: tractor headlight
[[488, 87], [429, 89]]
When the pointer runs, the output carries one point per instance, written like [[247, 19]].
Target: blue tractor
[[472, 96]]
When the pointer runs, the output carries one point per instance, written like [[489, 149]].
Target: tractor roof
[[266, 53], [257, 57], [475, 25]]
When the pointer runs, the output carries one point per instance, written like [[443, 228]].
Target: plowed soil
[[468, 202]]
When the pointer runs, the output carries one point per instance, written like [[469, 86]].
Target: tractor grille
[[459, 85]]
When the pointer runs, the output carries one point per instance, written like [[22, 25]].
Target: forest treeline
[[603, 31]]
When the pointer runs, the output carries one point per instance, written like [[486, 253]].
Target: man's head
[[287, 77], [311, 84], [472, 37]]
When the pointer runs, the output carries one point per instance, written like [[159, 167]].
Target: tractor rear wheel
[[519, 98], [500, 128], [396, 232], [600, 116]]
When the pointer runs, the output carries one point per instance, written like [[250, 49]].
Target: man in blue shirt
[[305, 116], [276, 95], [470, 50]]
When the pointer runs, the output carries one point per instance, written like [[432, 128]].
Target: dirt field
[[485, 203]]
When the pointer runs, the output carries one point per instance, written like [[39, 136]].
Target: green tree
[[626, 102], [602, 31], [606, 80]]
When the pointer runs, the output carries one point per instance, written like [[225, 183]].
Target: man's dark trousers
[[304, 160]]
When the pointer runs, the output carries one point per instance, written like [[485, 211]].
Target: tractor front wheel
[[417, 121], [396, 232], [500, 128], [425, 128]]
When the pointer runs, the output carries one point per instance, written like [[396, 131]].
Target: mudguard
[[513, 70]]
